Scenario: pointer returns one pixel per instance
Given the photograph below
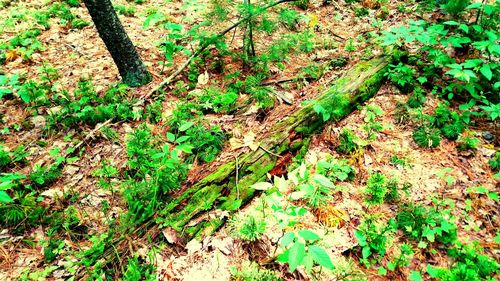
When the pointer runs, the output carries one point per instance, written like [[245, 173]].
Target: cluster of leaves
[[251, 271], [25, 43], [474, 78], [348, 142], [152, 173], [419, 222], [379, 189], [374, 235], [469, 264], [8, 158]]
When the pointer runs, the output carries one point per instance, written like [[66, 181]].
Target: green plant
[[417, 98], [469, 264], [419, 222], [138, 271], [376, 189], [335, 169], [247, 227], [300, 249], [426, 137], [347, 142], [251, 271], [128, 10], [494, 162], [373, 236], [468, 142], [402, 76]]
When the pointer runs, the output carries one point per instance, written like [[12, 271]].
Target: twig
[[270, 152], [91, 134]]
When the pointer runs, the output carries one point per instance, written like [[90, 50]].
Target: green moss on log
[[221, 189]]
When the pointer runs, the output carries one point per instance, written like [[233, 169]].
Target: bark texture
[[197, 211], [131, 68]]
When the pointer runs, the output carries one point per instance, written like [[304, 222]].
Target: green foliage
[[455, 7], [42, 176], [426, 137], [347, 142], [469, 265], [247, 227], [126, 10], [417, 98], [213, 100], [475, 79], [373, 236], [335, 169], [376, 189], [303, 253], [402, 76], [468, 142], [137, 271], [419, 222], [8, 158], [153, 173], [494, 162], [251, 271]]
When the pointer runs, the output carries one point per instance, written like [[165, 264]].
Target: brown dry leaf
[[11, 55], [171, 235], [203, 79], [249, 140], [331, 216]]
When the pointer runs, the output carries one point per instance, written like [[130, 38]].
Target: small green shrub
[[373, 236], [402, 76], [247, 227], [251, 271], [420, 222], [426, 137], [494, 162], [376, 189], [347, 142]]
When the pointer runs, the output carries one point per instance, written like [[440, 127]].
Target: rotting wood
[[218, 190]]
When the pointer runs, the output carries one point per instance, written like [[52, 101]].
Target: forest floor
[[461, 183]]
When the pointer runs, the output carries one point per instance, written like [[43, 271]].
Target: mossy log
[[221, 189]]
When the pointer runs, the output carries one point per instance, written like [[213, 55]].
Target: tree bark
[[194, 213], [131, 68]]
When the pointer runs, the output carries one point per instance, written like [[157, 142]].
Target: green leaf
[[186, 126], [322, 180], [475, 5], [5, 198], [287, 239], [382, 271], [261, 186], [486, 71], [170, 137], [415, 276], [308, 262], [296, 255], [308, 235], [321, 257], [493, 196]]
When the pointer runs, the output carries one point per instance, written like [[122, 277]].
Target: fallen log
[[226, 189]]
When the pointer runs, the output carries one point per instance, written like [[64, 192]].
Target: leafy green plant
[[419, 222], [247, 227], [494, 162], [376, 189], [137, 271], [373, 236], [426, 137], [347, 141], [469, 265], [402, 76], [335, 169], [251, 271], [417, 98], [468, 142], [300, 249]]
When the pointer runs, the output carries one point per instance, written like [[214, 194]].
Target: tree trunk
[[229, 186], [131, 68]]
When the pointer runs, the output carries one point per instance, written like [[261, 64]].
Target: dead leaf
[[203, 79], [171, 235]]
